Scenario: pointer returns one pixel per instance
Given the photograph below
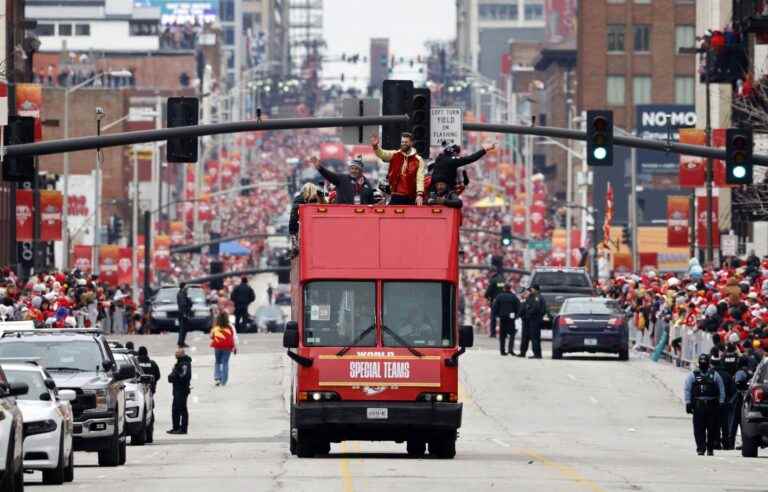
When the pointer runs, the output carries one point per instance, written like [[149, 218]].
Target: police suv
[[11, 436], [139, 401]]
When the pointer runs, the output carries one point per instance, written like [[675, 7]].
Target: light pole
[[97, 199]]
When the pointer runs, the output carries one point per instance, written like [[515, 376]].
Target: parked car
[[139, 401], [164, 310], [80, 360], [754, 413], [270, 319], [590, 324], [11, 436], [48, 422]]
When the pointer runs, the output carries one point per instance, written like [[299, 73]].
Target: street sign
[[729, 244], [542, 244], [352, 107], [445, 126]]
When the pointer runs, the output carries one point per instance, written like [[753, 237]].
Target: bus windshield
[[419, 313], [338, 314]]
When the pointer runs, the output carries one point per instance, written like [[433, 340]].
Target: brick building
[[628, 55]]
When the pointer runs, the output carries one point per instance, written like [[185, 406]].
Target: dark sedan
[[164, 312], [754, 413], [590, 324]]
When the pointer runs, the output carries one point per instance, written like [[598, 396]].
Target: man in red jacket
[[406, 171]]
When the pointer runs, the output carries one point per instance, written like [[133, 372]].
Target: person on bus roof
[[448, 162], [309, 194], [352, 188], [406, 171], [441, 194]]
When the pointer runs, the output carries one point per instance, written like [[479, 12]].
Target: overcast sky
[[348, 26]]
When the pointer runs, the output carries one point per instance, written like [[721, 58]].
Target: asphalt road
[[583, 423]]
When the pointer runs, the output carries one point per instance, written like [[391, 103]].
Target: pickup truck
[[559, 284], [81, 360]]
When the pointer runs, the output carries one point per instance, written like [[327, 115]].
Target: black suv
[[81, 360], [164, 310], [559, 284], [754, 413]]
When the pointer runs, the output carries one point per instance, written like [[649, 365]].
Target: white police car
[[48, 422], [139, 401], [11, 436]]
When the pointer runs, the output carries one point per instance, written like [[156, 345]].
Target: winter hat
[[357, 162], [37, 301]]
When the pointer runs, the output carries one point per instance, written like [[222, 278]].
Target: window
[[417, 314], [227, 10], [615, 38], [144, 28], [76, 354], [497, 11], [65, 29], [534, 11], [641, 90], [685, 37], [82, 29], [45, 30], [229, 36], [684, 90], [642, 38], [590, 306], [340, 313], [615, 90]]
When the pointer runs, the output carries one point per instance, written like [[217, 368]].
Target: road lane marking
[[346, 475], [566, 471], [500, 443]]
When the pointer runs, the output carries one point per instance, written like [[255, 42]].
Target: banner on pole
[[51, 203], [25, 229], [677, 221]]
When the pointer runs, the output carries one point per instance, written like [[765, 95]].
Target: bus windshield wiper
[[401, 341], [356, 340], [64, 368]]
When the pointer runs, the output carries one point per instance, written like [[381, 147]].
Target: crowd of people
[[180, 36]]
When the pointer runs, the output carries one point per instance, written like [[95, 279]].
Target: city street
[[583, 423]]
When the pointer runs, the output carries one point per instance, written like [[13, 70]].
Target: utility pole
[[528, 197], [97, 200], [568, 197], [135, 228], [710, 177], [633, 210]]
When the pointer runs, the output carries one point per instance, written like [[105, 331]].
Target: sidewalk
[[663, 372]]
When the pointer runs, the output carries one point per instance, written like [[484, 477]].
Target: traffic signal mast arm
[[128, 138]]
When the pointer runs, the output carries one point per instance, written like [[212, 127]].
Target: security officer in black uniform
[[180, 379], [149, 366], [495, 287], [727, 408], [704, 393], [506, 307], [534, 309]]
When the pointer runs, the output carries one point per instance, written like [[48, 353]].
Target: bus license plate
[[590, 342], [377, 413]]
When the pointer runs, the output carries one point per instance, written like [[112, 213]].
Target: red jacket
[[406, 172], [222, 338]]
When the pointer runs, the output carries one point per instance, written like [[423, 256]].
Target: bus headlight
[[438, 397]]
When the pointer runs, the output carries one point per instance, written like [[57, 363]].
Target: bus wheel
[[416, 448], [293, 446], [444, 447]]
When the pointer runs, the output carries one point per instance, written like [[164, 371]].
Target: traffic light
[[182, 111], [20, 130], [600, 138], [421, 106], [626, 236], [738, 156], [397, 96], [216, 268], [245, 183], [506, 235]]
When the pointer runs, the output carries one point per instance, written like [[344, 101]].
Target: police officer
[[180, 378], [149, 366], [727, 408], [741, 379], [495, 287], [704, 393], [184, 304], [534, 309], [505, 307]]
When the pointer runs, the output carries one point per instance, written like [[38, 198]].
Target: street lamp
[[97, 199]]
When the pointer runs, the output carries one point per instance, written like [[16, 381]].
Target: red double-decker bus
[[376, 336]]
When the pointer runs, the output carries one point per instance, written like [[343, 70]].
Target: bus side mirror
[[291, 335], [466, 336]]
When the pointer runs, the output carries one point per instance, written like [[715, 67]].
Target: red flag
[[163, 253], [81, 257], [677, 221], [51, 202], [518, 220], [608, 215], [693, 170], [125, 266], [701, 222], [109, 256], [25, 230]]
